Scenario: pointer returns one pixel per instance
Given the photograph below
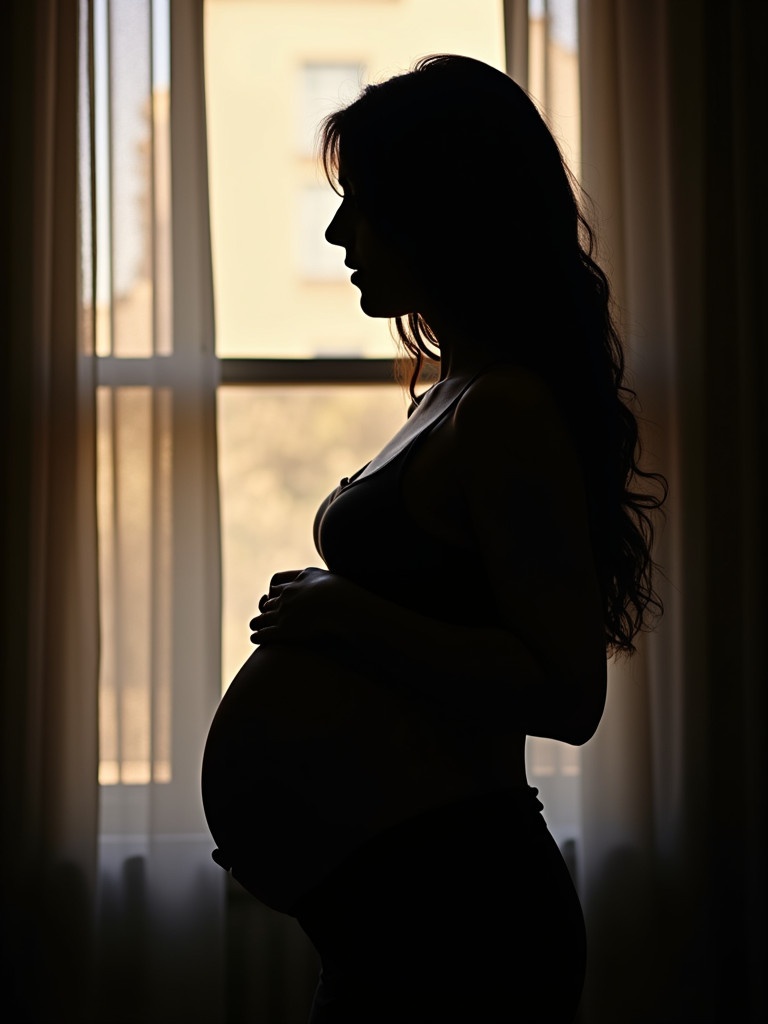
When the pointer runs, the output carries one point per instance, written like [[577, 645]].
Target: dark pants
[[466, 913]]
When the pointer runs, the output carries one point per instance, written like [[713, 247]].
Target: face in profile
[[382, 271]]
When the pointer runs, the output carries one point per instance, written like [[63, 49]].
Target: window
[[305, 394], [323, 87]]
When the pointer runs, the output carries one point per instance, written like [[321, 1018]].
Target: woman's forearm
[[489, 675]]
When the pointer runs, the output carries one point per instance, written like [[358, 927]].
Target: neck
[[462, 353]]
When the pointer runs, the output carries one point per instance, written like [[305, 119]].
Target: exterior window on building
[[323, 88]]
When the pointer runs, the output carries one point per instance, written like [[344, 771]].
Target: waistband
[[494, 820]]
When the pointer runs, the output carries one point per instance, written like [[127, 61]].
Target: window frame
[[306, 370]]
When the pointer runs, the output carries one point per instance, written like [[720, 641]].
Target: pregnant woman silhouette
[[365, 771]]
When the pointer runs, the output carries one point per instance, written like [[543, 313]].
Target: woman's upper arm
[[523, 486]]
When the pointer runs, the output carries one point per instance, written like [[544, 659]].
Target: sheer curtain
[[160, 898], [111, 905], [673, 99]]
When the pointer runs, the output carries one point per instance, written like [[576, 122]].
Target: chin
[[381, 309], [375, 312]]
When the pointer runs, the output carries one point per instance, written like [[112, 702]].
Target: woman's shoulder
[[510, 417], [509, 395]]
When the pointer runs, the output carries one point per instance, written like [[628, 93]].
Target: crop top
[[364, 532]]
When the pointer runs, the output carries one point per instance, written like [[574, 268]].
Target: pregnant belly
[[306, 760]]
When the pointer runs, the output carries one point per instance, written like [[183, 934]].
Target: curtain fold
[[673, 96], [50, 592]]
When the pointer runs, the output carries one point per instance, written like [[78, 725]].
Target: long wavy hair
[[454, 165]]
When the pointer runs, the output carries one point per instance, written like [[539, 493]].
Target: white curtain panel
[[160, 942]]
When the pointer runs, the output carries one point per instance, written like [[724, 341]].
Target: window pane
[[273, 69], [281, 451], [323, 88]]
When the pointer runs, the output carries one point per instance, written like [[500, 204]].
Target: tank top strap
[[407, 437]]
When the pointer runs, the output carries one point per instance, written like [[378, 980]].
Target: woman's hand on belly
[[306, 606]]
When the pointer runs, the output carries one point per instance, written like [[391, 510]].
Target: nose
[[335, 233]]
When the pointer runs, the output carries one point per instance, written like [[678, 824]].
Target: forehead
[[345, 174]]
